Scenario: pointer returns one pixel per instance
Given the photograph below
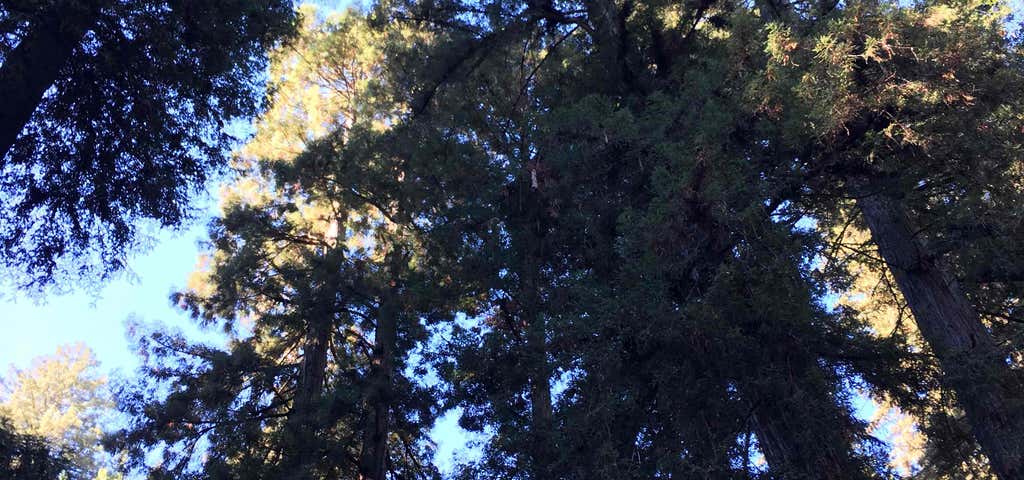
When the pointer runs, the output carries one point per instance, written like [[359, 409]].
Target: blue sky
[[37, 327]]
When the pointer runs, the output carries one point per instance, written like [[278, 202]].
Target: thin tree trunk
[[34, 65], [974, 367], [373, 464]]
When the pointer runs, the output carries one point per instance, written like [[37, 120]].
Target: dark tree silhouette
[[114, 111]]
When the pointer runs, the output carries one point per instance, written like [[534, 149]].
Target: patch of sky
[[455, 447]]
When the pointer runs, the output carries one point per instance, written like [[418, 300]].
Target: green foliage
[[63, 401], [28, 457], [324, 296], [607, 231], [922, 103], [134, 124]]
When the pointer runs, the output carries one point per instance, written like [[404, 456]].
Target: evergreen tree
[[115, 112], [28, 457], [63, 401], [581, 213], [876, 99], [326, 294]]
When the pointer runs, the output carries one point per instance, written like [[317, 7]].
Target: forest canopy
[[619, 239]]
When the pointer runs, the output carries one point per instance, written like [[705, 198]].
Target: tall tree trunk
[[373, 462], [33, 66], [801, 431], [987, 389], [307, 395], [541, 421], [792, 460], [529, 241]]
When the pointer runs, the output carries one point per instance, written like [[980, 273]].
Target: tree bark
[[373, 462], [542, 422], [308, 392], [529, 240], [801, 431], [541, 413], [974, 367], [34, 65], [609, 24]]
